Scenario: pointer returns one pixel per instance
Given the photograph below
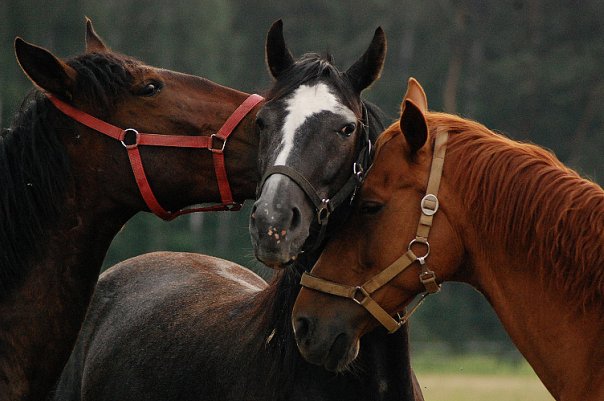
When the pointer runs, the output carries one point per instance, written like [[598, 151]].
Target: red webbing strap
[[143, 185], [180, 141], [86, 119], [218, 154]]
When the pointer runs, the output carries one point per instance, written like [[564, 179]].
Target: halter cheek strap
[[131, 139], [324, 206], [362, 294]]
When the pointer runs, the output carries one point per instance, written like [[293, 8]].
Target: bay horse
[[178, 326], [507, 218], [67, 189]]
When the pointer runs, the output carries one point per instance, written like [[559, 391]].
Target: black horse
[[179, 326]]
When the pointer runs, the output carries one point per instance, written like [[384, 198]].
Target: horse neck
[[558, 332], [560, 342], [40, 317]]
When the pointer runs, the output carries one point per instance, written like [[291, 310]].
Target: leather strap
[[324, 206], [132, 139], [362, 294]]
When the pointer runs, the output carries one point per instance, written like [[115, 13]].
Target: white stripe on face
[[304, 103]]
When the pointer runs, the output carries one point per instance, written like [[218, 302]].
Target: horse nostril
[[253, 215], [296, 218], [302, 328]]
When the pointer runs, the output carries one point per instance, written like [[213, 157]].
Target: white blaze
[[304, 103]]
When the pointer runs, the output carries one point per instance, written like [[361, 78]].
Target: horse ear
[[413, 125], [278, 57], [44, 69], [369, 67], [94, 44], [416, 94]]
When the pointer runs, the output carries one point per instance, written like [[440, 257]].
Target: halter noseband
[[324, 206], [131, 139], [362, 294]]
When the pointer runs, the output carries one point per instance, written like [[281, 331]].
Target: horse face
[[384, 221], [129, 94], [315, 133], [312, 125]]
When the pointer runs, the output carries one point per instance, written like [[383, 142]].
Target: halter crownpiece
[[362, 294], [131, 139]]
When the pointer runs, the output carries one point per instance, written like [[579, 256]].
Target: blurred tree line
[[533, 69]]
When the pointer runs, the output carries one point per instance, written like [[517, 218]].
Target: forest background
[[532, 69]]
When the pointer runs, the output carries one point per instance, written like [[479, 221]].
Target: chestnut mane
[[523, 194]]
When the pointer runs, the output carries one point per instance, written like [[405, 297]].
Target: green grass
[[478, 364], [477, 378]]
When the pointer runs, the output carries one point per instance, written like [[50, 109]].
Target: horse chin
[[276, 255], [334, 356], [341, 354]]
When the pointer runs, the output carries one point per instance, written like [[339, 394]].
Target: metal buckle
[[358, 172], [136, 138], [323, 212], [363, 292], [428, 279], [214, 149], [425, 210], [232, 207]]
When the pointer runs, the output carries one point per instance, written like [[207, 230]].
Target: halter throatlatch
[[362, 294], [131, 139], [325, 205]]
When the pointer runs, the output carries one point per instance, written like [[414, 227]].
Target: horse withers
[[448, 199], [67, 188]]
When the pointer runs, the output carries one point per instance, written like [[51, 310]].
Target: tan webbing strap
[[429, 203], [330, 287], [396, 268], [380, 314], [362, 294]]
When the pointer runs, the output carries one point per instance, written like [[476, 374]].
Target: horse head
[[372, 276], [131, 98], [313, 128]]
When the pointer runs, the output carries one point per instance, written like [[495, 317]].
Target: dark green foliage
[[530, 68]]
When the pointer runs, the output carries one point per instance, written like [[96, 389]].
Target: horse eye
[[260, 123], [150, 89], [371, 207], [347, 129]]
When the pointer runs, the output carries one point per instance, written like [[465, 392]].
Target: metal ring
[[420, 241], [136, 138]]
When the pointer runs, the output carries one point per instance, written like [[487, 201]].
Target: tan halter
[[362, 294]]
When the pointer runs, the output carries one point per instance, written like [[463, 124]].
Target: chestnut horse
[[509, 219], [178, 326], [66, 189]]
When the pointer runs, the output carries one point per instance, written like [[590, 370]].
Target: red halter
[[131, 139]]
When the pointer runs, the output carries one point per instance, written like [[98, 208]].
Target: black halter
[[325, 206]]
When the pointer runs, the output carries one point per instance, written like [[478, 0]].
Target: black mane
[[309, 68], [34, 165]]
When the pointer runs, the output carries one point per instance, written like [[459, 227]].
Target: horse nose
[[303, 327], [279, 218]]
